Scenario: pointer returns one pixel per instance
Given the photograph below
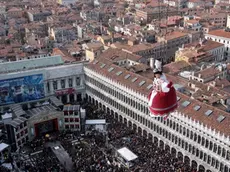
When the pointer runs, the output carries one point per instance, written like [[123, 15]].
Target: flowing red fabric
[[164, 103]]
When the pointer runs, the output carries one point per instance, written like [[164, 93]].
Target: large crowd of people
[[150, 156], [44, 161], [96, 151], [38, 158], [93, 154]]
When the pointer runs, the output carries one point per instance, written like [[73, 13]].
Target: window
[[127, 76], [62, 83], [70, 82], [48, 87], [119, 73], [220, 118], [141, 83], [65, 113], [134, 79], [76, 119], [110, 69], [76, 113], [103, 65], [55, 85], [150, 86], [208, 112], [185, 103], [78, 81], [196, 108]]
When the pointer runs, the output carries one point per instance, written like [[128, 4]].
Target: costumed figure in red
[[163, 98]]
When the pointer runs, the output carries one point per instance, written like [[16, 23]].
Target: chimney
[[199, 75], [182, 47], [208, 88], [214, 83], [222, 85], [193, 73], [201, 41], [202, 67], [151, 63]]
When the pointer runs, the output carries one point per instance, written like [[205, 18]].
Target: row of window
[[21, 126], [179, 128], [23, 141], [76, 126], [175, 139], [219, 40], [22, 133], [72, 120], [70, 113], [118, 95], [64, 84]]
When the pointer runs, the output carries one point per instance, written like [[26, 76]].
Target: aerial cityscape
[[115, 86]]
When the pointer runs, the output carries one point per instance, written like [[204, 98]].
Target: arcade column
[[66, 83], [68, 99], [75, 96], [81, 80], [51, 87], [45, 88], [59, 84], [82, 96], [74, 81], [1, 155]]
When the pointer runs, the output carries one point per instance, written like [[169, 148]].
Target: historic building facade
[[124, 95], [197, 133], [64, 81], [32, 91]]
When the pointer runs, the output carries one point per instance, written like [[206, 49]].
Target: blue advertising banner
[[21, 89]]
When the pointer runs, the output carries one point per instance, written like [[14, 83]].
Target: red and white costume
[[163, 98]]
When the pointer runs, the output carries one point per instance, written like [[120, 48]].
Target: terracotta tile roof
[[138, 47], [192, 21], [176, 67], [220, 83], [65, 56], [207, 45], [210, 45], [175, 35], [118, 54], [195, 1], [94, 46], [103, 65], [14, 9], [138, 68], [209, 91], [208, 72], [220, 33], [120, 78]]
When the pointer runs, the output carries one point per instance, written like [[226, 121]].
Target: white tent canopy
[[127, 154], [3, 146], [95, 122]]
